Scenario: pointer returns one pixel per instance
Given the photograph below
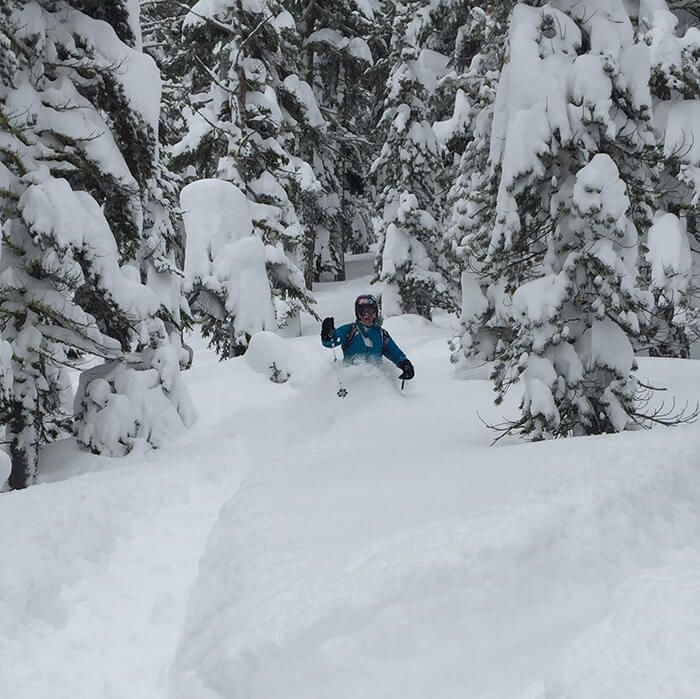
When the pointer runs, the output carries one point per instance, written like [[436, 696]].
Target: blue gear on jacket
[[366, 344]]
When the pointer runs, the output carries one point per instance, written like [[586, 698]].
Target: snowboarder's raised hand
[[408, 371], [327, 329]]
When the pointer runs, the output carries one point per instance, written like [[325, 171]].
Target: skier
[[365, 338]]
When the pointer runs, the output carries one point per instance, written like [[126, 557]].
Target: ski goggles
[[366, 305]]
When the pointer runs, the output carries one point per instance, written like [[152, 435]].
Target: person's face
[[367, 315]]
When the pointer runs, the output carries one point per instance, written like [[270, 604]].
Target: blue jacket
[[368, 343]]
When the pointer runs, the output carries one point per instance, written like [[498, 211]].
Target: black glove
[[327, 329], [408, 371]]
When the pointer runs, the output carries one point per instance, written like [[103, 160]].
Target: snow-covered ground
[[293, 544]]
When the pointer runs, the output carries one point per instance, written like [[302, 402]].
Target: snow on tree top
[[137, 73], [134, 10], [283, 20], [431, 66], [216, 213], [607, 22], [539, 300], [219, 9], [605, 345], [669, 253], [532, 95], [304, 94], [266, 101], [598, 188], [445, 130], [60, 108], [73, 220], [367, 7], [359, 48], [332, 37]]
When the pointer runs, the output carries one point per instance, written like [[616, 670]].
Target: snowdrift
[[385, 557]]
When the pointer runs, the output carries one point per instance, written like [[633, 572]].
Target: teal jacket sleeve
[[339, 337], [393, 351]]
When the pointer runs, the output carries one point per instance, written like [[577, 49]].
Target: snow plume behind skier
[[365, 339]]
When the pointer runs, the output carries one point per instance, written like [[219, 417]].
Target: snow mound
[[659, 612], [390, 567], [271, 355]]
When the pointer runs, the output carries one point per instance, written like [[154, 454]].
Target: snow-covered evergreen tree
[[573, 349], [120, 404], [571, 140], [675, 85], [240, 129], [226, 265], [409, 259], [480, 53], [161, 25], [77, 154], [164, 234], [336, 60]]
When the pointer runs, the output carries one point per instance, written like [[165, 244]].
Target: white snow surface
[[295, 544]]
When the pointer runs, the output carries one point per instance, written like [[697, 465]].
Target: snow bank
[[377, 576], [96, 574], [645, 646], [270, 355], [379, 547]]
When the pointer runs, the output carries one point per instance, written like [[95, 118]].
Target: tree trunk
[[24, 447], [309, 257]]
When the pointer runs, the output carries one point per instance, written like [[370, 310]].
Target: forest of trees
[[532, 168]]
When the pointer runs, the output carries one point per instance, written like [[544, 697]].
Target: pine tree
[[572, 168], [344, 47], [405, 171], [161, 25], [164, 250], [248, 111], [78, 143], [333, 60], [573, 349], [675, 85], [480, 53]]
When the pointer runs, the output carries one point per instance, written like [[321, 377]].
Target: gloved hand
[[327, 329], [408, 371]]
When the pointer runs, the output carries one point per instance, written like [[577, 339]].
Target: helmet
[[364, 302]]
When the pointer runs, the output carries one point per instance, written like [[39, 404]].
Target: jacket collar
[[361, 326]]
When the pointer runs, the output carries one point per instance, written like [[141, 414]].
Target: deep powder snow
[[293, 544]]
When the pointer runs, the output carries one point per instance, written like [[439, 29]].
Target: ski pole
[[342, 391]]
